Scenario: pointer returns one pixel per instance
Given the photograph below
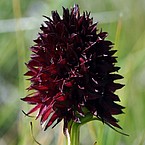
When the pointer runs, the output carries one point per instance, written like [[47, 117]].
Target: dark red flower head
[[72, 67]]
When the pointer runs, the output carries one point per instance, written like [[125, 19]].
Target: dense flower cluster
[[72, 67]]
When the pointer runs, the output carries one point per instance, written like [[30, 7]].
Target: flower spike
[[72, 71]]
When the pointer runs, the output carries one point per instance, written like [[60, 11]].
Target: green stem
[[75, 129], [67, 137], [75, 132]]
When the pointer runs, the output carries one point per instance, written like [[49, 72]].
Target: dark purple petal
[[34, 109], [46, 114], [52, 119]]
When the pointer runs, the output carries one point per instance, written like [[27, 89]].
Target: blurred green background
[[19, 24]]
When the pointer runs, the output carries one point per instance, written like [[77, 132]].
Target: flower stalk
[[68, 141], [75, 134], [75, 129]]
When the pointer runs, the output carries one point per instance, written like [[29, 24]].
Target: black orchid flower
[[72, 69]]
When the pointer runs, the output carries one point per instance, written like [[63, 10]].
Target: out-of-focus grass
[[124, 20]]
